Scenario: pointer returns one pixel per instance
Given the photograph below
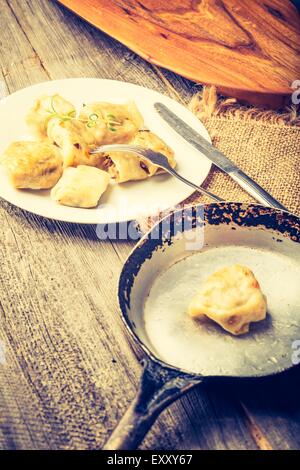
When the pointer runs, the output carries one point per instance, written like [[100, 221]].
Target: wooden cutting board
[[248, 49]]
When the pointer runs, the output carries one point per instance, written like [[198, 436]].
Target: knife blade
[[217, 157]]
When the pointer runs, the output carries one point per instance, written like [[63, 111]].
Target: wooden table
[[71, 369]]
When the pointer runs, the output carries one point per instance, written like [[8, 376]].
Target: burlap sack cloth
[[264, 144]]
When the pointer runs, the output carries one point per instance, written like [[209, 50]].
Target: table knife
[[217, 157]]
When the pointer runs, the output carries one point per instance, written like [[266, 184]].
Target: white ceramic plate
[[125, 202]]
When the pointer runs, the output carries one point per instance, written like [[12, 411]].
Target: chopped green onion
[[63, 117], [52, 105], [90, 124], [93, 117]]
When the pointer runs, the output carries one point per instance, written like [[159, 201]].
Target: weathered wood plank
[[20, 64], [274, 403], [64, 355]]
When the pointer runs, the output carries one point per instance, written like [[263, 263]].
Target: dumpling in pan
[[80, 187], [128, 166], [44, 109], [75, 140], [33, 165], [232, 298], [112, 123]]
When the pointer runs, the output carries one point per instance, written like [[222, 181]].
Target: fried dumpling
[[44, 109], [112, 123], [232, 298], [80, 187], [129, 167], [33, 165], [151, 141], [125, 167], [75, 140]]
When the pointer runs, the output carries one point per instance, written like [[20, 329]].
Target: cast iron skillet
[[155, 287]]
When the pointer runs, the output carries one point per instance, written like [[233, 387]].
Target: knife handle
[[256, 190]]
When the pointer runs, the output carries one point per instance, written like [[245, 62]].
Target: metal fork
[[157, 159]]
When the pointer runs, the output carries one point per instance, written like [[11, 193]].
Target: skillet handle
[[159, 387]]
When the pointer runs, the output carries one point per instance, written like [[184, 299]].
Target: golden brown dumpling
[[151, 141], [75, 140], [125, 167], [80, 187], [112, 123], [232, 298], [33, 165], [44, 109], [129, 167]]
